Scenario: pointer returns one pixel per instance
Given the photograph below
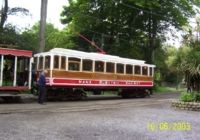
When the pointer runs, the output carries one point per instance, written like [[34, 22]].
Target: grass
[[162, 89]]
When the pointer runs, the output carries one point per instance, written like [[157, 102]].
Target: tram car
[[15, 71], [72, 73]]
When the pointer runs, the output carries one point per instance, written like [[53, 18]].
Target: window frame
[[118, 64], [112, 66], [54, 60], [131, 69], [40, 67], [75, 62], [91, 65], [135, 70], [145, 70], [49, 62], [102, 70], [61, 62]]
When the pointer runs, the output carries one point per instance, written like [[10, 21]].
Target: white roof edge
[[93, 56]]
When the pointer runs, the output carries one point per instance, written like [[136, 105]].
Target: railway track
[[65, 107]]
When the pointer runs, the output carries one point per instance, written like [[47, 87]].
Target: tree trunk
[[43, 24], [4, 12], [152, 29]]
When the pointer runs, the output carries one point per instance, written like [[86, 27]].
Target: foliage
[[9, 36], [197, 97], [164, 89], [8, 33], [186, 97], [29, 39], [54, 38], [133, 29], [190, 97], [190, 65]]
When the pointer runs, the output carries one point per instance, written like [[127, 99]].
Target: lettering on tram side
[[85, 82], [132, 83], [102, 82], [119, 82], [108, 82]]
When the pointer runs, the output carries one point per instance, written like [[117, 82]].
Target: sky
[[54, 9]]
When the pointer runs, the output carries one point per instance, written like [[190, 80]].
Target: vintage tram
[[15, 71], [70, 73]]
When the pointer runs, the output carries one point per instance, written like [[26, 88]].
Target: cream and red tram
[[97, 72], [15, 72]]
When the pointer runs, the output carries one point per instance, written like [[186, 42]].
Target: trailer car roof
[[92, 56]]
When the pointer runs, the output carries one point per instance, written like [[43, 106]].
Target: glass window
[[56, 62], [110, 67], [40, 63], [74, 64], [47, 62], [99, 66], [35, 63], [144, 70], [0, 65], [87, 65], [129, 69], [137, 70], [63, 62], [151, 71], [120, 68]]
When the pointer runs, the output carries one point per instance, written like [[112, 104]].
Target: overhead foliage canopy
[[131, 28], [54, 38]]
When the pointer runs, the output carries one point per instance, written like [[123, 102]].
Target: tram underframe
[[69, 93]]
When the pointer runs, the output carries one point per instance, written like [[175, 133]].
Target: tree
[[8, 32], [54, 38], [6, 10], [191, 67], [132, 28], [43, 24]]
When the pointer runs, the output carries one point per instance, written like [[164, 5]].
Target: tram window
[[40, 63], [56, 62], [99, 66], [74, 64], [144, 70], [47, 62], [120, 68], [35, 63], [0, 65], [137, 70], [63, 62], [87, 65], [110, 67], [151, 71], [129, 69]]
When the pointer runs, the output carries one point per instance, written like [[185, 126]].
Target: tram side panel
[[128, 84]]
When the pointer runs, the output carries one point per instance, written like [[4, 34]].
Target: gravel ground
[[113, 119]]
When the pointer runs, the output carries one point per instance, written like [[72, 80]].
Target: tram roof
[[15, 52], [92, 56]]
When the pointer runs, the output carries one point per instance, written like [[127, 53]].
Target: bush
[[187, 97], [197, 97]]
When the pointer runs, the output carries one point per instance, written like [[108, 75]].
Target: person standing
[[42, 89]]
